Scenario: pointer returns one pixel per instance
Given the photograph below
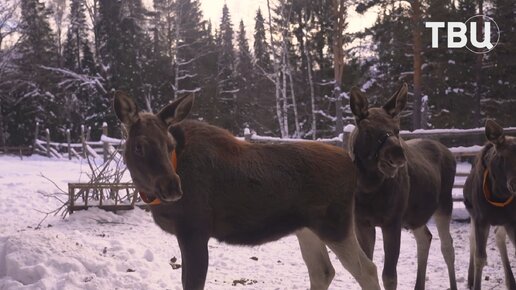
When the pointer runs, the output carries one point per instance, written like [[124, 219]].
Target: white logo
[[457, 38]]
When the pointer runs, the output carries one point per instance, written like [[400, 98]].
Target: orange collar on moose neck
[[488, 193], [156, 200]]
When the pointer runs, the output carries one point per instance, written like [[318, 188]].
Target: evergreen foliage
[[243, 78]]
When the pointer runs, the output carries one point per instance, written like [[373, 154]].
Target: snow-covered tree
[[227, 83]]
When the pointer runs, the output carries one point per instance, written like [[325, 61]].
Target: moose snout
[[396, 157], [511, 185], [168, 188]]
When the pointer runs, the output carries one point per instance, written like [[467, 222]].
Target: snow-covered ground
[[95, 249]]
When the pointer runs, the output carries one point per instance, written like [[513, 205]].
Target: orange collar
[[156, 200], [488, 194]]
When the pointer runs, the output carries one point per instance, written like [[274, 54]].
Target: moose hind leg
[[501, 235], [442, 222], [423, 240], [315, 255], [353, 258]]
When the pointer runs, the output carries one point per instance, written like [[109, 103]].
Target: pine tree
[[76, 37], [500, 77], [264, 122], [124, 49], [261, 48], [245, 77], [391, 33], [437, 63], [189, 46], [227, 86], [37, 41], [31, 90], [452, 75]]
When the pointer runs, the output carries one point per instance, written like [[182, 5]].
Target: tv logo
[[457, 37]]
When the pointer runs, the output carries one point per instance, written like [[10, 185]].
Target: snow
[[95, 249]]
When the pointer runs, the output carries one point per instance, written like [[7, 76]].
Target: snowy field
[[100, 250]]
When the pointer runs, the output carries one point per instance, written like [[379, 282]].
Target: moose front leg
[[501, 236], [366, 235], [391, 245], [194, 256], [481, 232]]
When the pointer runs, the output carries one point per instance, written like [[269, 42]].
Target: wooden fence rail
[[108, 146], [105, 147]]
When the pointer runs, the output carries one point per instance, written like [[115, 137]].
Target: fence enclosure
[[464, 144]]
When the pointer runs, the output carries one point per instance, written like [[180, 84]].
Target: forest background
[[288, 75]]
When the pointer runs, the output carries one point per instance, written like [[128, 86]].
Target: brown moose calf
[[202, 182]]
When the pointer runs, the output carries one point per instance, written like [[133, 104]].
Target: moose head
[[150, 145], [376, 143], [502, 163]]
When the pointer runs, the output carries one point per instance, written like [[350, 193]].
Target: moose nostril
[[397, 162]]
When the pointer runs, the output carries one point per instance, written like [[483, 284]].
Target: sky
[[246, 10]]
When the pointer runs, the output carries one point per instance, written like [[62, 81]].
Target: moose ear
[[125, 109], [397, 102], [176, 111], [494, 133], [359, 104]]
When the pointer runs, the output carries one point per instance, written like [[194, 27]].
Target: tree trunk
[[312, 94], [478, 71], [279, 112], [418, 121], [177, 70], [294, 102], [338, 59]]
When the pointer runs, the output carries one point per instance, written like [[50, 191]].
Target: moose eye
[[138, 149]]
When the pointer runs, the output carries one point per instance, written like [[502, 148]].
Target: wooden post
[[36, 134], [47, 133], [68, 139], [83, 142], [345, 139], [88, 134], [105, 145], [247, 134], [71, 198]]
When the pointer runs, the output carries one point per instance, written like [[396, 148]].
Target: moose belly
[[255, 228]]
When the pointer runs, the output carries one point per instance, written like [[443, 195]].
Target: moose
[[202, 182], [488, 196], [400, 184]]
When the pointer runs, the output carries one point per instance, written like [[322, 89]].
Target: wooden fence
[[108, 146], [105, 147]]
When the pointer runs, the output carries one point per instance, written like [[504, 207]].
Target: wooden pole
[[83, 142], [68, 139], [47, 133], [247, 134], [105, 144], [36, 134]]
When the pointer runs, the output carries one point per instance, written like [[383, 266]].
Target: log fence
[[107, 195]]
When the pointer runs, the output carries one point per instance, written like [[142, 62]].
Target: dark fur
[[232, 190], [499, 156], [403, 185], [255, 193]]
